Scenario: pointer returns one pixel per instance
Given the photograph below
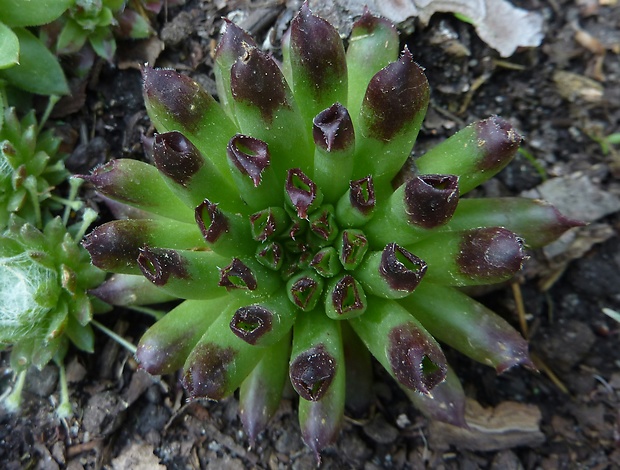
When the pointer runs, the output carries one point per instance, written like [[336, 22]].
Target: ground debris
[[509, 424]]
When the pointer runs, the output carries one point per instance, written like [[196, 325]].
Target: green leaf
[[103, 43], [39, 71], [29, 13], [71, 38], [9, 47]]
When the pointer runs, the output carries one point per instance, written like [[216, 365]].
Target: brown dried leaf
[[508, 425], [500, 24]]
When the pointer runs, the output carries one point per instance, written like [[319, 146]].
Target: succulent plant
[[274, 213], [100, 22], [30, 168], [25, 62], [44, 279]]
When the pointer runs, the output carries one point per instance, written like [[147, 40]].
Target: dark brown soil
[[565, 417]]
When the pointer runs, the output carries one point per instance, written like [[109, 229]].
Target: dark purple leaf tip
[[251, 323], [362, 195], [183, 99], [301, 191], [312, 372], [394, 97], [430, 200], [263, 224], [305, 291], [234, 41], [319, 48], [491, 253], [250, 156], [206, 376], [108, 179], [158, 264], [346, 296], [271, 256], [211, 221], [237, 276], [257, 81], [323, 224], [116, 245], [499, 142], [154, 355], [368, 23], [354, 247], [401, 269], [332, 129], [176, 157], [417, 362]]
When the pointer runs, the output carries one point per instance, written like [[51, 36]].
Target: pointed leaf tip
[[206, 375], [490, 253], [498, 140], [394, 97]]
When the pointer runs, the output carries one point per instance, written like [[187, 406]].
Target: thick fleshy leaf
[[402, 345], [446, 402], [390, 118], [130, 289], [352, 246], [190, 175], [301, 193], [373, 44], [139, 185], [392, 273], [357, 206], [220, 361], [166, 345], [115, 246], [250, 164], [473, 257], [265, 109], [317, 374], [317, 62], [344, 298], [226, 233], [538, 222], [359, 375], [423, 203], [261, 392], [266, 322], [334, 141], [232, 46], [175, 102], [468, 326], [304, 289], [474, 154], [178, 272]]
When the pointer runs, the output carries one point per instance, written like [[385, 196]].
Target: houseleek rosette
[[273, 213], [45, 276]]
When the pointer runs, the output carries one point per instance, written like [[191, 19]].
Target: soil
[[564, 417]]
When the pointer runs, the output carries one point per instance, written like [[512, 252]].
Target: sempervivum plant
[[274, 214], [44, 279], [30, 168]]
